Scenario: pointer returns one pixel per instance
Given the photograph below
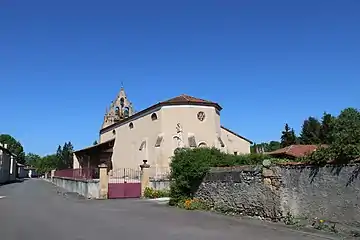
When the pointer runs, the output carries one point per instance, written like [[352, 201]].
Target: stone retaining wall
[[87, 188], [331, 192]]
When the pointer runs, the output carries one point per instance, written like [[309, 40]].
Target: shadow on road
[[14, 181]]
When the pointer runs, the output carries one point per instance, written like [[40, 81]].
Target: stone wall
[[331, 192], [159, 184], [87, 188], [240, 190]]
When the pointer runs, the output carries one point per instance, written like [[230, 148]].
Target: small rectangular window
[[158, 141], [192, 141], [143, 145], [221, 142], [235, 153]]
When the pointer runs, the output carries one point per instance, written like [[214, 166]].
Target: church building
[[128, 137]]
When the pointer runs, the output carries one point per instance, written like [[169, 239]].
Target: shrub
[[153, 193], [189, 167], [340, 154], [193, 204]]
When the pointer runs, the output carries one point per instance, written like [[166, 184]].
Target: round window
[[201, 116]]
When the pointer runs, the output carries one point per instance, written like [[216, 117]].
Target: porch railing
[[78, 173]]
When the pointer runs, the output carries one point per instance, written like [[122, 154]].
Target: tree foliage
[[31, 159], [62, 159], [342, 136], [288, 137], [311, 131], [327, 128], [265, 147], [14, 146]]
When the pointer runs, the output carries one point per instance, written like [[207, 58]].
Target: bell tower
[[120, 109]]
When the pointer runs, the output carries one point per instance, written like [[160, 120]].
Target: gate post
[[144, 177], [52, 173], [104, 181]]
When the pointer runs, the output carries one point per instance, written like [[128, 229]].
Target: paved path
[[35, 209]]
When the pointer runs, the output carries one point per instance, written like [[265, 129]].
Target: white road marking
[[2, 197]]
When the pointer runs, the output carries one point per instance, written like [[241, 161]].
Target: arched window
[[131, 125], [154, 117], [117, 110], [203, 145], [122, 102], [126, 112]]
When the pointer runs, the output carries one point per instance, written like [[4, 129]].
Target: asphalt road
[[36, 210]]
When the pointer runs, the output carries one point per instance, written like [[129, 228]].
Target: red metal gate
[[124, 183]]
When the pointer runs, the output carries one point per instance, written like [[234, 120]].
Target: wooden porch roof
[[98, 148]]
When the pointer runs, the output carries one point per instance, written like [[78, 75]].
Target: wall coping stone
[[79, 180], [243, 168]]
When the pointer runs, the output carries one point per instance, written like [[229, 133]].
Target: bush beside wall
[[189, 167]]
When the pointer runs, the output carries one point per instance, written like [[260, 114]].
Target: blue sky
[[265, 62]]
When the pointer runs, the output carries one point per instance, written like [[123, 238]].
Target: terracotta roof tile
[[187, 98], [295, 150]]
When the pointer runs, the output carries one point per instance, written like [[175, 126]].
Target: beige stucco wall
[[204, 131], [106, 136], [234, 143], [126, 152]]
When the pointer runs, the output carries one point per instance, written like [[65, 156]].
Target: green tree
[[266, 147], [327, 127], [32, 159], [346, 128], [273, 145], [64, 156], [344, 139], [47, 163], [288, 137], [14, 146], [67, 155], [310, 132]]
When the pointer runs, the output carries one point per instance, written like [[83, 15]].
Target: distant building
[[8, 168], [128, 137], [22, 173]]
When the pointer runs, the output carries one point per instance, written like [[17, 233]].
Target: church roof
[[186, 98], [179, 100]]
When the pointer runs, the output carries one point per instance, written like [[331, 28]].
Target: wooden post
[[104, 181], [144, 177]]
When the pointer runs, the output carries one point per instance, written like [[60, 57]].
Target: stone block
[[267, 172], [267, 181]]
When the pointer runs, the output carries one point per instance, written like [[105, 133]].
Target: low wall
[[159, 184], [330, 193], [87, 188], [239, 190]]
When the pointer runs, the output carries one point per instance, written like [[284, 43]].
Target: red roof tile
[[186, 98], [295, 150]]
